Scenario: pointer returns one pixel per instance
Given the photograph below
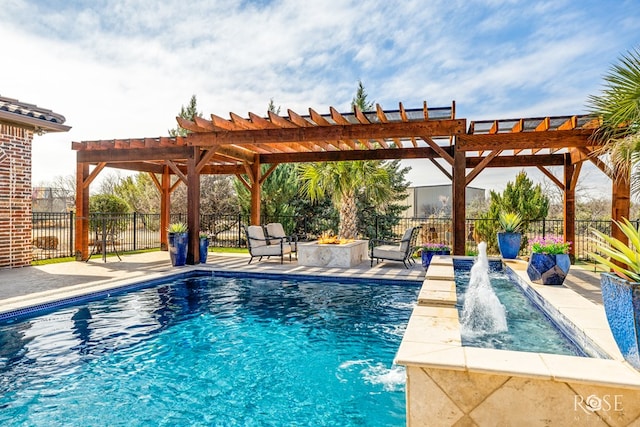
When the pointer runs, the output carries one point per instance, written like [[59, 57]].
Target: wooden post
[[569, 212], [459, 204], [82, 212], [193, 206], [620, 200], [255, 191], [165, 207]]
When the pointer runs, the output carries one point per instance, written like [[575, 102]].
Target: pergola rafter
[[239, 146]]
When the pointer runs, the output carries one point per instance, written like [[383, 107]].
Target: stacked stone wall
[[15, 196]]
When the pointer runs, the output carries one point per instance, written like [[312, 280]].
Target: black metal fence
[[53, 233]]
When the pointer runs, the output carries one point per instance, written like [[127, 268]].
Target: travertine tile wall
[[439, 397]]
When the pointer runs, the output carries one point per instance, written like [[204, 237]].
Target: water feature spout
[[482, 312]]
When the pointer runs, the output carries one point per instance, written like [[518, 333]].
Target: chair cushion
[[256, 232], [275, 229], [406, 240], [270, 250], [388, 252]]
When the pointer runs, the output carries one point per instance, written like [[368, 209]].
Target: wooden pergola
[[239, 146]]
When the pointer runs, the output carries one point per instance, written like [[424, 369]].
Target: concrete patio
[[27, 286], [23, 287]]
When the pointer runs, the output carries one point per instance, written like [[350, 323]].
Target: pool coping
[[432, 338], [27, 305]]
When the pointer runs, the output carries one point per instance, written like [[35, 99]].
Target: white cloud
[[123, 68]]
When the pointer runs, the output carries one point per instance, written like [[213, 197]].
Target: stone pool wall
[[448, 384]]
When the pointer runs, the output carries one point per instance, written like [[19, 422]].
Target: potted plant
[[510, 239], [621, 288], [204, 246], [549, 262], [178, 243], [430, 249]]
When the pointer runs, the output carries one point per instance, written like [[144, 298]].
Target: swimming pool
[[212, 351]]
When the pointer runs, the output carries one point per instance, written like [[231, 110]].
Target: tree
[[61, 190], [272, 107], [109, 182], [188, 113], [276, 194], [369, 182], [619, 108], [343, 182], [522, 197], [361, 99], [217, 196], [388, 212], [139, 192], [111, 220]]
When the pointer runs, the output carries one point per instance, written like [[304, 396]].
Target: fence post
[[135, 228], [544, 228], [239, 229], [375, 233], [71, 234]]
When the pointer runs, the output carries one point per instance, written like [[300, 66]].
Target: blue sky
[[123, 68]]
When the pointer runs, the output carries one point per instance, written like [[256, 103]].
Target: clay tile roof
[[31, 116]]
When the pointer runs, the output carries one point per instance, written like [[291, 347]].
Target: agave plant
[[510, 221], [177, 227], [622, 259]]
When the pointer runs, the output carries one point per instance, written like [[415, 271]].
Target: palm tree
[[343, 181], [619, 108]]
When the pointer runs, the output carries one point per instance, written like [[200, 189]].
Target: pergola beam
[[506, 161], [525, 140], [338, 156], [324, 133], [133, 154]]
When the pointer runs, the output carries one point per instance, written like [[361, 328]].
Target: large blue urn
[[621, 300], [178, 243], [204, 249], [509, 244]]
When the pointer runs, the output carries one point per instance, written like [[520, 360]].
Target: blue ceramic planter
[[178, 248], [204, 249], [509, 244], [621, 300], [428, 255], [545, 269]]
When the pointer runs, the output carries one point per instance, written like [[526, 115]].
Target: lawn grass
[[229, 250], [109, 255]]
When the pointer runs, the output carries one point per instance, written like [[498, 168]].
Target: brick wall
[[15, 196]]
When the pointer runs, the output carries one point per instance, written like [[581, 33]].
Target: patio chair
[[395, 250], [275, 229], [259, 246]]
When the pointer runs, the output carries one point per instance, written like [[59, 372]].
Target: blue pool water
[[211, 351], [529, 329]]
